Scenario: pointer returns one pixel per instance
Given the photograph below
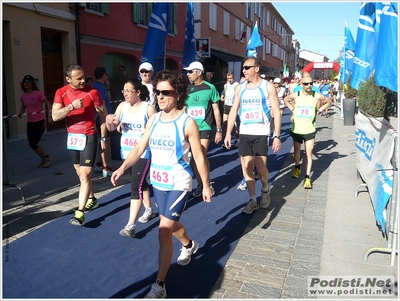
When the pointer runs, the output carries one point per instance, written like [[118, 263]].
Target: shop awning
[[226, 57]]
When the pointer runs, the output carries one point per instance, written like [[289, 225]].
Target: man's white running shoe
[[250, 207], [186, 254], [265, 199], [156, 292]]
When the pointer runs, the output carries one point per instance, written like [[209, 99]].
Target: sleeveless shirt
[[132, 129], [254, 112], [170, 169]]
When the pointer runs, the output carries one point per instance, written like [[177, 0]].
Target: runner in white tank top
[[169, 134], [130, 120]]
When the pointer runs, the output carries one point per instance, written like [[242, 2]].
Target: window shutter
[[149, 11], [104, 8], [134, 12], [175, 21]]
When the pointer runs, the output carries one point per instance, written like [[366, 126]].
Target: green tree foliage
[[372, 98]]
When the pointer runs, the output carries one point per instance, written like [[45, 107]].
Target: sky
[[319, 26]]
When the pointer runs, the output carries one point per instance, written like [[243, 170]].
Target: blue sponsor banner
[[375, 149]]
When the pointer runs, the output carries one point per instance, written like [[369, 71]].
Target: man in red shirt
[[77, 102]]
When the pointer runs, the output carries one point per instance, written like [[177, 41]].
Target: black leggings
[[35, 131]]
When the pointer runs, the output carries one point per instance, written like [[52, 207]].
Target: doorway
[[53, 73]]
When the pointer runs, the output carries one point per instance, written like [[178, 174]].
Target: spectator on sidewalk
[[130, 120], [170, 134], [303, 105], [102, 85], [202, 106], [77, 102], [32, 101], [256, 100]]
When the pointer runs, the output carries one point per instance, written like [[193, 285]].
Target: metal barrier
[[392, 220]]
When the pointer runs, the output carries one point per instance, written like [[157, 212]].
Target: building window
[[213, 16], [97, 8], [268, 19], [227, 18], [267, 46], [262, 17], [249, 10], [142, 13], [257, 8]]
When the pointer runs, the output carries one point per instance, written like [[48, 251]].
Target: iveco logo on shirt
[[131, 126], [256, 100], [162, 142]]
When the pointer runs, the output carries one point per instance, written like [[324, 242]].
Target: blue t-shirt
[[324, 88], [104, 95]]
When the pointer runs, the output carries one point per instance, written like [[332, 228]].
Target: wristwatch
[[219, 130], [278, 137], [104, 139]]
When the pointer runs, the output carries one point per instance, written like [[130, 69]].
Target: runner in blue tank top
[[170, 134]]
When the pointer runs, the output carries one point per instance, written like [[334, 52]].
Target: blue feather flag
[[154, 45], [350, 47], [189, 49], [386, 65], [254, 42], [367, 41]]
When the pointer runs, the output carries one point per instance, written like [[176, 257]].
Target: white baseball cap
[[277, 80], [195, 65], [146, 66]]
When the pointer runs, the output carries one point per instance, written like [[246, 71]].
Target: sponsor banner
[[374, 140]]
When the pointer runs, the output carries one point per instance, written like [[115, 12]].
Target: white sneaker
[[156, 292], [186, 254], [107, 173], [212, 189], [242, 185], [128, 231], [147, 215], [265, 199], [250, 207]]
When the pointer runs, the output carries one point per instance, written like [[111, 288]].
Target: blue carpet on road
[[63, 261]]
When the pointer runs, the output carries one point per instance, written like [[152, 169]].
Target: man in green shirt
[[202, 106]]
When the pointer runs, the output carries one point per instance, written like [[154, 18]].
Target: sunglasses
[[191, 71], [247, 67], [144, 71], [164, 92], [307, 84]]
